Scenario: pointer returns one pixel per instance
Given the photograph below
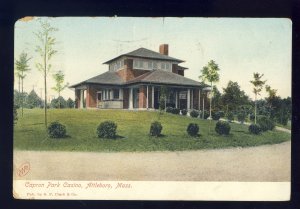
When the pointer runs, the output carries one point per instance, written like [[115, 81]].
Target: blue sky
[[240, 46]]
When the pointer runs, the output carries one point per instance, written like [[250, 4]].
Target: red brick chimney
[[164, 49]]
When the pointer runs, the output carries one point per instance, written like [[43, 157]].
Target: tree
[[217, 99], [210, 74], [233, 96], [46, 52], [21, 69], [59, 78], [258, 85], [59, 102], [33, 100], [70, 103]]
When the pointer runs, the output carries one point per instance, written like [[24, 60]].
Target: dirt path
[[264, 163]]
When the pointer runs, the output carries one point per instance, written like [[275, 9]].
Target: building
[[135, 80]]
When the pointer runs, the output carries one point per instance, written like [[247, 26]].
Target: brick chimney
[[164, 49]]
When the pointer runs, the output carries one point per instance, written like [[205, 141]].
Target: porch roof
[[151, 77]]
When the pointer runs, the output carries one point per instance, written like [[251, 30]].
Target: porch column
[[111, 94], [81, 98], [199, 99], [176, 99], [188, 106], [147, 104], [203, 107], [152, 97], [130, 98], [121, 94]]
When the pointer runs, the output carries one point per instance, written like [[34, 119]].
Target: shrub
[[283, 120], [230, 116], [265, 123], [176, 111], [222, 114], [192, 129], [241, 116], [252, 117], [222, 128], [56, 130], [216, 115], [206, 114], [107, 129], [254, 129], [169, 109], [183, 111], [155, 128], [194, 113]]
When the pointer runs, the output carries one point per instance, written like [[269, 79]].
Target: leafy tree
[[258, 85], [46, 52], [33, 100], [70, 103], [21, 69], [59, 102], [59, 78], [210, 73], [217, 99], [233, 96]]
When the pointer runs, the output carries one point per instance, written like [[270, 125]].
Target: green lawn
[[133, 129]]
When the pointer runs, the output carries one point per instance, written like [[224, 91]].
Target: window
[[118, 64], [163, 66], [154, 65], [116, 93], [141, 64], [150, 65], [135, 63], [167, 66]]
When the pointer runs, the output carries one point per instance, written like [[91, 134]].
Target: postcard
[[137, 108]]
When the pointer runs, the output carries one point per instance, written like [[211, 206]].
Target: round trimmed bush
[[56, 130], [216, 115], [230, 116], [107, 129], [222, 128], [194, 113], [206, 114], [169, 109], [265, 123], [241, 116], [183, 111], [176, 111], [192, 129], [254, 129], [155, 128]]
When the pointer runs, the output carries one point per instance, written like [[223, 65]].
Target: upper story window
[[150, 65], [154, 65], [167, 66], [141, 64], [163, 66], [135, 63]]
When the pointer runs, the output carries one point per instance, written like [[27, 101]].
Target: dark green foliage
[[206, 114], [265, 123], [155, 129], [252, 117], [176, 111], [194, 113], [230, 116], [216, 115], [241, 116], [183, 111], [283, 119], [222, 114], [56, 130], [15, 114], [192, 129], [169, 109], [254, 129], [60, 102], [33, 100], [107, 129], [222, 128], [70, 103]]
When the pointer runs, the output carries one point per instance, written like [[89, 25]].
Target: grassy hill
[[133, 132]]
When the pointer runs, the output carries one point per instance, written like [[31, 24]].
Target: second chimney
[[164, 49]]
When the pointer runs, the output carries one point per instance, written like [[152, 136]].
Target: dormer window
[[154, 65], [141, 64], [150, 65], [167, 66], [163, 66]]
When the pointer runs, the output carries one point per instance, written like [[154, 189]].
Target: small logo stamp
[[23, 169]]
